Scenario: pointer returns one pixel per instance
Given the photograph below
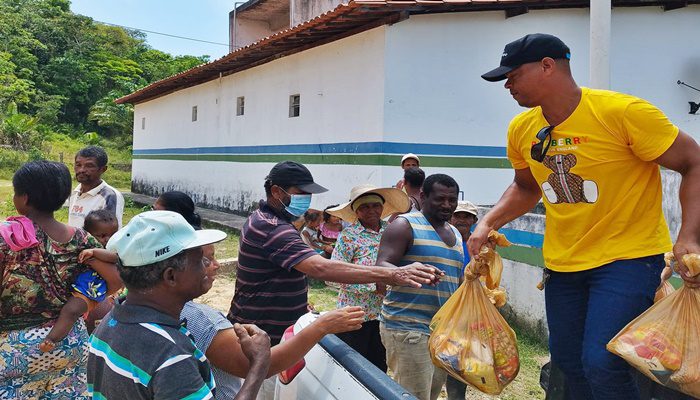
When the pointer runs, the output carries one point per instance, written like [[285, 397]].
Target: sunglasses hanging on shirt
[[539, 149]]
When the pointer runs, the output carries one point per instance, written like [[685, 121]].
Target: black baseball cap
[[290, 173], [529, 48]]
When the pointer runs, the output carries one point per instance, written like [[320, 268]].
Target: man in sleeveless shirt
[[424, 235]]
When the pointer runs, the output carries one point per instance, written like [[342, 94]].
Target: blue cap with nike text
[[155, 236]]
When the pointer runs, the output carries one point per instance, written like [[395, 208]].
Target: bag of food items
[[665, 288], [469, 338], [664, 342]]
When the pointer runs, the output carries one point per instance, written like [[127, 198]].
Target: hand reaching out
[[341, 320], [416, 275]]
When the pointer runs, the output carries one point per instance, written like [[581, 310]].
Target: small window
[[294, 105], [143, 123], [240, 105], [194, 113]]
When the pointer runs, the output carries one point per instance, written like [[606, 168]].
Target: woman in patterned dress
[[358, 243], [38, 265]]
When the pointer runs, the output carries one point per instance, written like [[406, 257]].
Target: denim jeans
[[588, 308], [456, 390]]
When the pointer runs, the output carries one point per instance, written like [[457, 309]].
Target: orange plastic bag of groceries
[[665, 288], [664, 342], [469, 338]]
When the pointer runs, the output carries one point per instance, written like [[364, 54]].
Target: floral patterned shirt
[[37, 281], [359, 245]]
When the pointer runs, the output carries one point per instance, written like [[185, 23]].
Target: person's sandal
[[47, 345]]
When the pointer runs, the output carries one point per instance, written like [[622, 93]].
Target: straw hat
[[395, 201]]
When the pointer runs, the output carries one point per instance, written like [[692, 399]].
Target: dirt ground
[[220, 295]]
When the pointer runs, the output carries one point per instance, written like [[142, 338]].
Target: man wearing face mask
[[271, 289]]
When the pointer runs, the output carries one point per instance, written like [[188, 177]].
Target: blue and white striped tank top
[[411, 309]]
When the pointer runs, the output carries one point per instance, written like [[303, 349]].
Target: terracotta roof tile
[[345, 20]]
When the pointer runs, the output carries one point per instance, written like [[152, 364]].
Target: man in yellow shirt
[[593, 156]]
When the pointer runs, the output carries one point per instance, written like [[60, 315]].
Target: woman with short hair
[[38, 265]]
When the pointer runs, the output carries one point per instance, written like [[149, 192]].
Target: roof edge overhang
[[347, 20]]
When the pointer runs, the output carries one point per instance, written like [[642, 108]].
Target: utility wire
[[160, 33]]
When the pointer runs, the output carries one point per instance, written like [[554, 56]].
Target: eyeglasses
[[539, 149]]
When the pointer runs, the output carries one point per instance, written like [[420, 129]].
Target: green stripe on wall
[[346, 159], [676, 281], [523, 254]]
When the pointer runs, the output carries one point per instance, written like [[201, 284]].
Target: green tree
[[116, 119], [12, 88], [19, 130], [64, 70]]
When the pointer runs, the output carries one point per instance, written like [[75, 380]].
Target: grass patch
[[227, 248], [322, 297], [62, 148]]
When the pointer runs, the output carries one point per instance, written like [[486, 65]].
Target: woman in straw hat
[[359, 244]]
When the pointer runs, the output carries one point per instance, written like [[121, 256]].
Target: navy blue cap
[[289, 173], [529, 48]]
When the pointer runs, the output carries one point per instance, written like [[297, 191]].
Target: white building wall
[[434, 92], [249, 31], [341, 87], [303, 10], [419, 82]]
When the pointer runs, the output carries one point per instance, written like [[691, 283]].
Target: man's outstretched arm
[[415, 275]]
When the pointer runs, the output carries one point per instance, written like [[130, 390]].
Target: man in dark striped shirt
[[273, 261]]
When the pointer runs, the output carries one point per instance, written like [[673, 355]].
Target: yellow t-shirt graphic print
[[563, 186], [600, 186]]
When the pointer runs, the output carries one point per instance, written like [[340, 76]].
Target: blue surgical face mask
[[298, 204]]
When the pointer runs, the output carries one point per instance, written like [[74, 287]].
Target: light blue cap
[[155, 236]]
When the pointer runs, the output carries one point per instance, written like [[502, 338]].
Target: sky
[[199, 19]]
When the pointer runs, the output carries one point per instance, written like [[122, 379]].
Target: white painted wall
[[250, 31], [659, 48], [434, 92], [341, 87], [304, 10], [418, 81], [525, 303]]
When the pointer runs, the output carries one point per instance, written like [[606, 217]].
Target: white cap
[[155, 236], [468, 207], [410, 155]]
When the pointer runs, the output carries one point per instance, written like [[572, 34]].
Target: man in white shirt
[[92, 193]]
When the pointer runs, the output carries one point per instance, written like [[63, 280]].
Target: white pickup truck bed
[[335, 371]]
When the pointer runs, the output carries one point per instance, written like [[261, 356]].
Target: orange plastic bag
[[469, 337], [665, 288], [663, 291], [664, 342]]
